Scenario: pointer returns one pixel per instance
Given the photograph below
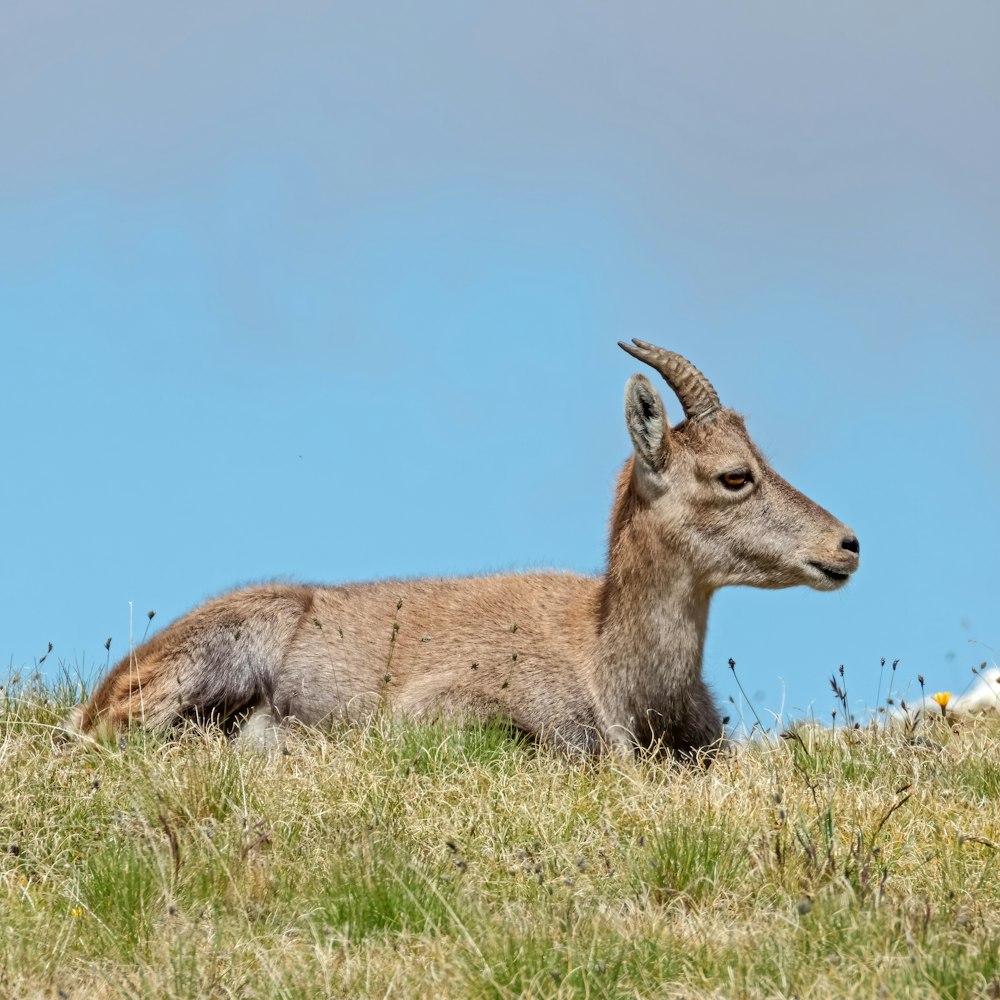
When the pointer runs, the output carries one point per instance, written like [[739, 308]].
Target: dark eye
[[736, 480]]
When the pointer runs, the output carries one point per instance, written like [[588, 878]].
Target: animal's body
[[584, 663]]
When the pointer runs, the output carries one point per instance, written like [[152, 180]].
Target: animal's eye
[[735, 480]]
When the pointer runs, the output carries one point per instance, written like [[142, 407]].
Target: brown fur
[[582, 663]]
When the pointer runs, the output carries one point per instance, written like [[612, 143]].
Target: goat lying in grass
[[583, 663]]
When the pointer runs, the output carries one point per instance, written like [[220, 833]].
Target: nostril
[[851, 544]]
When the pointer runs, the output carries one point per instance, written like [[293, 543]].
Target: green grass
[[403, 860]]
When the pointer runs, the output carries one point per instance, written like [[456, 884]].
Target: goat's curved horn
[[697, 396]]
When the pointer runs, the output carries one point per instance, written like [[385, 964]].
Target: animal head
[[707, 491]]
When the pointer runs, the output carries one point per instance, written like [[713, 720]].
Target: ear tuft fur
[[646, 420]]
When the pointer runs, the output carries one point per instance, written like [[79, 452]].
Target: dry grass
[[411, 861]]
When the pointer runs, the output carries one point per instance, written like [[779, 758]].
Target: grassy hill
[[424, 861]]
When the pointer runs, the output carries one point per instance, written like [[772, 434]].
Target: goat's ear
[[646, 420]]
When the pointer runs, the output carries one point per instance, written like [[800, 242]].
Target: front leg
[[697, 728]]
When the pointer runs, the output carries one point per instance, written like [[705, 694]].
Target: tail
[[73, 725], [212, 663]]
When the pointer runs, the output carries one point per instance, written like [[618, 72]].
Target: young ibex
[[583, 663]]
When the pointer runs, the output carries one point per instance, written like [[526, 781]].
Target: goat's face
[[712, 496]]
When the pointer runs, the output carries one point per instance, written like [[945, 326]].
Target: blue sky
[[331, 292]]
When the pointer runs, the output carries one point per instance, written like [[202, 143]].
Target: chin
[[821, 576]]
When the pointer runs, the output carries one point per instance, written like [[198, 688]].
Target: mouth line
[[831, 572]]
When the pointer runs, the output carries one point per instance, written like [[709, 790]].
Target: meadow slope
[[424, 861]]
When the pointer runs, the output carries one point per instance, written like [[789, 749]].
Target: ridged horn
[[697, 396]]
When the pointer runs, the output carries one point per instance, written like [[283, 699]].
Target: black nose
[[851, 544]]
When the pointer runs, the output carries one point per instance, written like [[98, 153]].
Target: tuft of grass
[[694, 860], [370, 890], [119, 892], [979, 779], [428, 860], [586, 957]]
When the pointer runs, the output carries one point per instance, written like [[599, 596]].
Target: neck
[[653, 615]]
